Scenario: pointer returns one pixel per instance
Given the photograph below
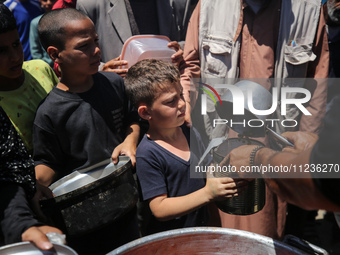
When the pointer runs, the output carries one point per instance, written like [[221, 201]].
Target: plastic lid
[[140, 47]]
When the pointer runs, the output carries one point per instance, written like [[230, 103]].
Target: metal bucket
[[252, 199], [89, 199], [205, 240]]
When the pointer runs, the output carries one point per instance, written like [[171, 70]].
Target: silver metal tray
[[27, 248]]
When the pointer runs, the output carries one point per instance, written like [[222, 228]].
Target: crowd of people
[[67, 104]]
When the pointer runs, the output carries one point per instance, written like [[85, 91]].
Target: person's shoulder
[[38, 66], [35, 21], [110, 75], [88, 4], [114, 79], [145, 147], [35, 64], [144, 141], [47, 104]]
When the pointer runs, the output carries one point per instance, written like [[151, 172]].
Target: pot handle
[[279, 138], [304, 246]]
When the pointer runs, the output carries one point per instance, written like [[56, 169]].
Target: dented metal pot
[[89, 199]]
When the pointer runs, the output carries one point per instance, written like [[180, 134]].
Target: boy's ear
[[143, 112], [53, 52]]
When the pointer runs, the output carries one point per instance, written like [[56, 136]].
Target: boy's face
[[11, 55], [47, 4], [81, 54], [168, 110]]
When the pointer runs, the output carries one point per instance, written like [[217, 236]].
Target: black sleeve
[[15, 213], [47, 149], [326, 154]]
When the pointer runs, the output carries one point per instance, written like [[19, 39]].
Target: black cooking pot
[[91, 198]]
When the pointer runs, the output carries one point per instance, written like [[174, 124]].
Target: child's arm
[[167, 208], [129, 146], [44, 175]]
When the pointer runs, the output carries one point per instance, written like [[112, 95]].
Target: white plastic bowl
[[140, 47]]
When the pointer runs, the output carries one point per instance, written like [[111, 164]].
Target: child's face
[[168, 110], [11, 55], [81, 55], [47, 4]]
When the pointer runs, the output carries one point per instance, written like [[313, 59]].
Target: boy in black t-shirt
[[163, 156], [87, 115], [86, 119]]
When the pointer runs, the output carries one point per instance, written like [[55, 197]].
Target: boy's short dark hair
[[51, 26], [148, 78], [7, 20]]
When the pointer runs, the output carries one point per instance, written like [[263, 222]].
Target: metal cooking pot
[[206, 240], [261, 100], [28, 248], [251, 200], [89, 199]]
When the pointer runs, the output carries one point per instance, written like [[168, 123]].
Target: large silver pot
[[91, 198], [205, 240]]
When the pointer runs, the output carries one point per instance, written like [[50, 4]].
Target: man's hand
[[301, 140], [177, 57], [37, 235], [239, 157], [114, 66]]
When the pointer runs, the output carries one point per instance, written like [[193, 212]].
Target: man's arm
[[296, 187], [190, 67], [299, 191]]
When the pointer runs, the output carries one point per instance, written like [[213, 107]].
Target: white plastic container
[[140, 47]]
